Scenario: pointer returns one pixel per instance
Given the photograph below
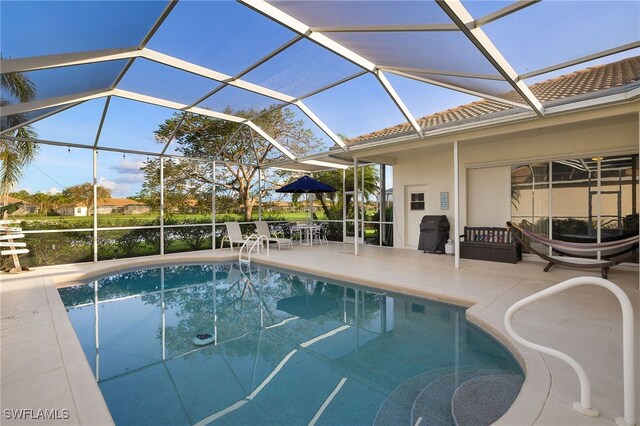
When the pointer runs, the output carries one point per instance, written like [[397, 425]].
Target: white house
[[73, 209], [577, 167], [121, 206]]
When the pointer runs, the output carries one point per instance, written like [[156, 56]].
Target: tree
[[238, 147], [15, 155], [182, 194], [332, 201], [83, 193]]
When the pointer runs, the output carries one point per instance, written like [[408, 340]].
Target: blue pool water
[[287, 349]]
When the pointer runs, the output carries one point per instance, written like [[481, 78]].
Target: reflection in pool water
[[286, 348]]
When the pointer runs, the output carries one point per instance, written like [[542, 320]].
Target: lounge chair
[[263, 229], [234, 235], [579, 255]]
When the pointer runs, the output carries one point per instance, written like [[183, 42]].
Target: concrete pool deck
[[43, 367]]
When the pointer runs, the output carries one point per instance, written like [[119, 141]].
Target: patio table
[[305, 232]]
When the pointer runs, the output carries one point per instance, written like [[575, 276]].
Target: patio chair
[[320, 234], [262, 228], [234, 235], [579, 255]]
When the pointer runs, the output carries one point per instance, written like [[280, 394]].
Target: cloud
[[118, 189], [53, 191], [128, 172], [103, 181], [128, 167]]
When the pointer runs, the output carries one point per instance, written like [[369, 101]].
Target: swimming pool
[[278, 347]]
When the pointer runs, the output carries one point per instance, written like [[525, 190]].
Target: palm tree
[[15, 155], [332, 202]]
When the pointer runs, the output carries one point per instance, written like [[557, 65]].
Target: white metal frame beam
[[581, 60], [38, 118], [237, 82], [174, 105], [507, 10], [460, 89], [174, 133], [440, 72], [213, 75], [64, 100], [273, 142], [398, 101], [501, 13], [122, 150], [461, 17], [54, 61], [53, 102], [386, 28], [290, 22], [66, 60], [102, 118], [321, 125], [203, 111], [143, 43]]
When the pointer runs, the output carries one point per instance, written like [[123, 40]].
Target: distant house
[[25, 208], [73, 209], [190, 205], [121, 206]]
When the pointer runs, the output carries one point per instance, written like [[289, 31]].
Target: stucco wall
[[435, 171], [484, 181]]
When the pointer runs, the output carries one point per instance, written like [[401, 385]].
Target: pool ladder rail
[[628, 348], [253, 241]]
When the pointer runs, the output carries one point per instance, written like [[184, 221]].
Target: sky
[[230, 37]]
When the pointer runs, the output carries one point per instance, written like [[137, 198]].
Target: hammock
[[579, 255]]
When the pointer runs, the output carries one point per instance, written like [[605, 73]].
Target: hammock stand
[[579, 255]]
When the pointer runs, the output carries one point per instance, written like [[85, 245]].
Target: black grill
[[434, 232]]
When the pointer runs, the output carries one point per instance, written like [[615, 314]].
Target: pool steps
[[426, 399]]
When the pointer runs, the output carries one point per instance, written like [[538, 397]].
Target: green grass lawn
[[87, 221]]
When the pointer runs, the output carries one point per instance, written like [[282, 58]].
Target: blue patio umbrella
[[306, 185]]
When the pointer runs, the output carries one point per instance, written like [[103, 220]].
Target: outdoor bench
[[486, 243]]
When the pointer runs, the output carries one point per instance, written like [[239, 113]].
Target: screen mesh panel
[[36, 28], [221, 35], [571, 30], [167, 82]]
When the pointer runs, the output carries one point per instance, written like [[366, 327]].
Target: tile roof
[[119, 202], [583, 82], [12, 200]]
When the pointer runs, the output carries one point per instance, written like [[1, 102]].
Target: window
[[417, 201], [418, 309], [79, 210], [590, 199]]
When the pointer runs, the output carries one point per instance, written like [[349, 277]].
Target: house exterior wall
[[136, 209], [128, 209], [72, 211], [24, 209], [434, 171], [485, 164], [109, 209]]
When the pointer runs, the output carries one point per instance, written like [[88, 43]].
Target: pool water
[[286, 348]]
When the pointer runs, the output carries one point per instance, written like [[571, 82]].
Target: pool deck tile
[[584, 322]]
